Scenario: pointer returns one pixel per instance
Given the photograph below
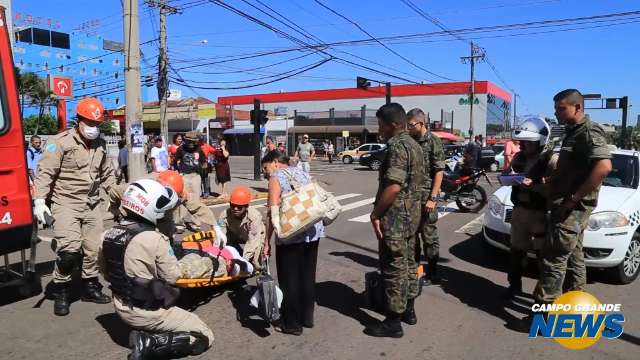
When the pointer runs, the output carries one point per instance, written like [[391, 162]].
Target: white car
[[500, 160], [612, 238]]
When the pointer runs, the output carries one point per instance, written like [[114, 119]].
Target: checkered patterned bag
[[300, 208]]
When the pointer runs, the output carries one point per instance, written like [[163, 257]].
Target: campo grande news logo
[[577, 320]]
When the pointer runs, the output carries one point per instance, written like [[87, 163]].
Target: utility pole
[[515, 103], [477, 53], [624, 104], [163, 81], [132, 88], [256, 139]]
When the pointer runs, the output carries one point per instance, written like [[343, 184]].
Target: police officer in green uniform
[[583, 164], [395, 219], [433, 154]]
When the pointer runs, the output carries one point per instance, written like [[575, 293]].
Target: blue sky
[[595, 60]]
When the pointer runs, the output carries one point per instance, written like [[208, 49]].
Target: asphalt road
[[462, 318]]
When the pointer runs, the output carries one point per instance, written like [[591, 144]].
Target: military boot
[[146, 345], [62, 298], [409, 316], [92, 292], [390, 327]]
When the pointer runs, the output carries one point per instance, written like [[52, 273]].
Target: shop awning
[[333, 129], [236, 131]]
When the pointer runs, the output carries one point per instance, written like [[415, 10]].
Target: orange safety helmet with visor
[[172, 179], [240, 196]]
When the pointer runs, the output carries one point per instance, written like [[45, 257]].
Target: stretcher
[[194, 242]]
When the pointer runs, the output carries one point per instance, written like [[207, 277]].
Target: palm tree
[[42, 97], [27, 82]]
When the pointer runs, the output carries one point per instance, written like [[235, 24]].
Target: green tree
[[47, 125], [107, 128], [34, 90]]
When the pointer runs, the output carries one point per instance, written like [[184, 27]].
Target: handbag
[[333, 207], [299, 209], [268, 296]]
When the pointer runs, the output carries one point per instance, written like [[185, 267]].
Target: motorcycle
[[464, 189]]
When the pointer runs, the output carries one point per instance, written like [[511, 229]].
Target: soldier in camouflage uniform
[[433, 155], [395, 219], [583, 164]]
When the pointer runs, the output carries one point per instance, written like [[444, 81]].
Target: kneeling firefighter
[[140, 264], [528, 221]]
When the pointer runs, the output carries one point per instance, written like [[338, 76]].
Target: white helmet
[[533, 128], [149, 199]]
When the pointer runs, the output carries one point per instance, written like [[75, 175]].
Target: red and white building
[[327, 113]]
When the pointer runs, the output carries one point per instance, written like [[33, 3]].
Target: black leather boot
[[390, 327], [92, 292], [61, 298], [146, 345], [409, 316]]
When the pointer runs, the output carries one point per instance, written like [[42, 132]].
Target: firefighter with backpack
[[140, 264]]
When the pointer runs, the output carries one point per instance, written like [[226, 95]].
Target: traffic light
[[362, 83], [261, 115], [611, 103], [624, 101]]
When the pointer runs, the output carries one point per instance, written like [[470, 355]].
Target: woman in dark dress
[[223, 172]]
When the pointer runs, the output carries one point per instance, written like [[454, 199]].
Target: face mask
[[90, 132]]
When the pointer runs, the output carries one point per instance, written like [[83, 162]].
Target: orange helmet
[[240, 196], [173, 179], [90, 109]]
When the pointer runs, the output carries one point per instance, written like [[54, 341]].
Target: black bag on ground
[[268, 296]]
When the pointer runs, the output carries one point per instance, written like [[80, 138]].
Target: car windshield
[[624, 173]]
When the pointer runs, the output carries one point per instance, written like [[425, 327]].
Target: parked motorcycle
[[464, 189]]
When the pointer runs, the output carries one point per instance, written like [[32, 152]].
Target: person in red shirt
[[177, 142], [209, 152]]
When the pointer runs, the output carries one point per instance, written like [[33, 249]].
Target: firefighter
[[72, 169], [243, 226], [140, 264]]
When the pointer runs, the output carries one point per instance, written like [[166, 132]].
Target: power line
[[299, 71], [382, 44]]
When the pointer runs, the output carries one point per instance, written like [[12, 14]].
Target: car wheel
[[629, 268], [493, 167], [375, 165], [347, 159]]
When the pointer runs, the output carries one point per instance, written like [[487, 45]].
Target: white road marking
[[45, 238], [473, 227], [442, 212], [358, 204]]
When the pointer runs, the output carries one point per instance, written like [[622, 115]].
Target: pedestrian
[[140, 264], [296, 258], [433, 155], [269, 144], [223, 171], [331, 151], [395, 218], [209, 153], [123, 161], [71, 171], [583, 163], [282, 148], [243, 226], [34, 153], [472, 152], [177, 142], [325, 148], [190, 161], [529, 201], [158, 156], [511, 148], [304, 154]]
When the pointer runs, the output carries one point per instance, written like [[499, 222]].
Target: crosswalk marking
[[472, 227], [357, 204], [442, 211]]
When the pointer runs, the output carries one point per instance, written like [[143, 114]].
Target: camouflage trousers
[[562, 268], [398, 266], [427, 240]]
